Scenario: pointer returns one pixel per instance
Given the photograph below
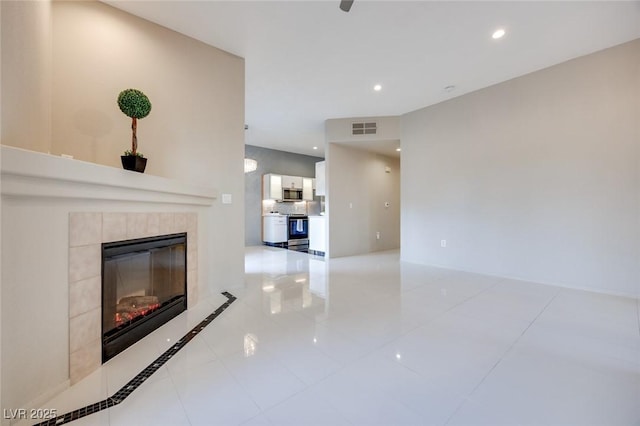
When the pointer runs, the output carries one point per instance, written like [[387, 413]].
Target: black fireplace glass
[[143, 286]]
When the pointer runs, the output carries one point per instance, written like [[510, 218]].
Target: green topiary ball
[[133, 103]]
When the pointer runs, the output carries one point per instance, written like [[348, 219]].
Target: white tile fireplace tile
[[84, 295], [85, 360], [192, 223], [83, 328], [192, 258], [192, 287], [153, 224], [137, 225], [114, 227], [167, 223], [84, 262], [192, 240], [180, 222], [85, 229]]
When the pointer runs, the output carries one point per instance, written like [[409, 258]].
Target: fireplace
[[144, 285]]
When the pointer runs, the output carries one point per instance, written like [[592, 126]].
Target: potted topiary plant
[[135, 104]]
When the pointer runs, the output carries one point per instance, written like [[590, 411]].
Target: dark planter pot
[[135, 163]]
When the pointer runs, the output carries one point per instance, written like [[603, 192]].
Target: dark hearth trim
[[134, 383]]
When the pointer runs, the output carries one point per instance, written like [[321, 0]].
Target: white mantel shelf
[[35, 174]]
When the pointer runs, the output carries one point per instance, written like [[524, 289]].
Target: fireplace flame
[[130, 308]]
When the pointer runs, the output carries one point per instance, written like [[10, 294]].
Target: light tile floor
[[368, 340]]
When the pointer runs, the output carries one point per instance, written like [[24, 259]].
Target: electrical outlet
[[378, 235], [443, 243]]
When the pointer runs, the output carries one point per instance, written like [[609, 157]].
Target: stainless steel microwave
[[291, 194]]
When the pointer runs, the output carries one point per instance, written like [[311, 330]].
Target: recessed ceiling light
[[398, 149], [377, 87], [315, 147], [449, 89], [499, 33]]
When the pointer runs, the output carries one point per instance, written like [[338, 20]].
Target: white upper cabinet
[[307, 189], [271, 187], [320, 178], [292, 182]]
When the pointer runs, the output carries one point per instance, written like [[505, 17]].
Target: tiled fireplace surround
[[87, 231], [56, 213]]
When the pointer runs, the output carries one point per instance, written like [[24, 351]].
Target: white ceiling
[[307, 61]]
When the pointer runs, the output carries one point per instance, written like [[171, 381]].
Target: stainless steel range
[[298, 232]]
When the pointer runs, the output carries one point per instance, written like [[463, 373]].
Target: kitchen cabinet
[[320, 178], [271, 187], [274, 229], [273, 184], [307, 189], [317, 233], [291, 182]]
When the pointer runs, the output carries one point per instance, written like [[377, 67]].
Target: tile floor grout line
[[236, 380], [186, 414], [244, 389], [503, 355], [133, 384], [432, 320], [429, 321], [385, 344], [517, 339]]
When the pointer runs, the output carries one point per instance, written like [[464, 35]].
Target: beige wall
[[358, 187], [26, 74], [196, 123], [536, 178], [195, 134]]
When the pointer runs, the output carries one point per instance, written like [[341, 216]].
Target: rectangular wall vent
[[364, 128]]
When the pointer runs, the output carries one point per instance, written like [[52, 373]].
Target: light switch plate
[[226, 199]]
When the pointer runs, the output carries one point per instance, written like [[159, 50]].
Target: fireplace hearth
[[144, 286]]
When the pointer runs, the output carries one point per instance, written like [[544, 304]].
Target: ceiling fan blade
[[346, 5]]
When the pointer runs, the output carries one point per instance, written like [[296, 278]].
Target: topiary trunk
[[134, 138]]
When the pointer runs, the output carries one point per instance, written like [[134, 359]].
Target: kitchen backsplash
[[303, 207]]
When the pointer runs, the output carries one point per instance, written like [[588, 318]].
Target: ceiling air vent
[[364, 128]]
